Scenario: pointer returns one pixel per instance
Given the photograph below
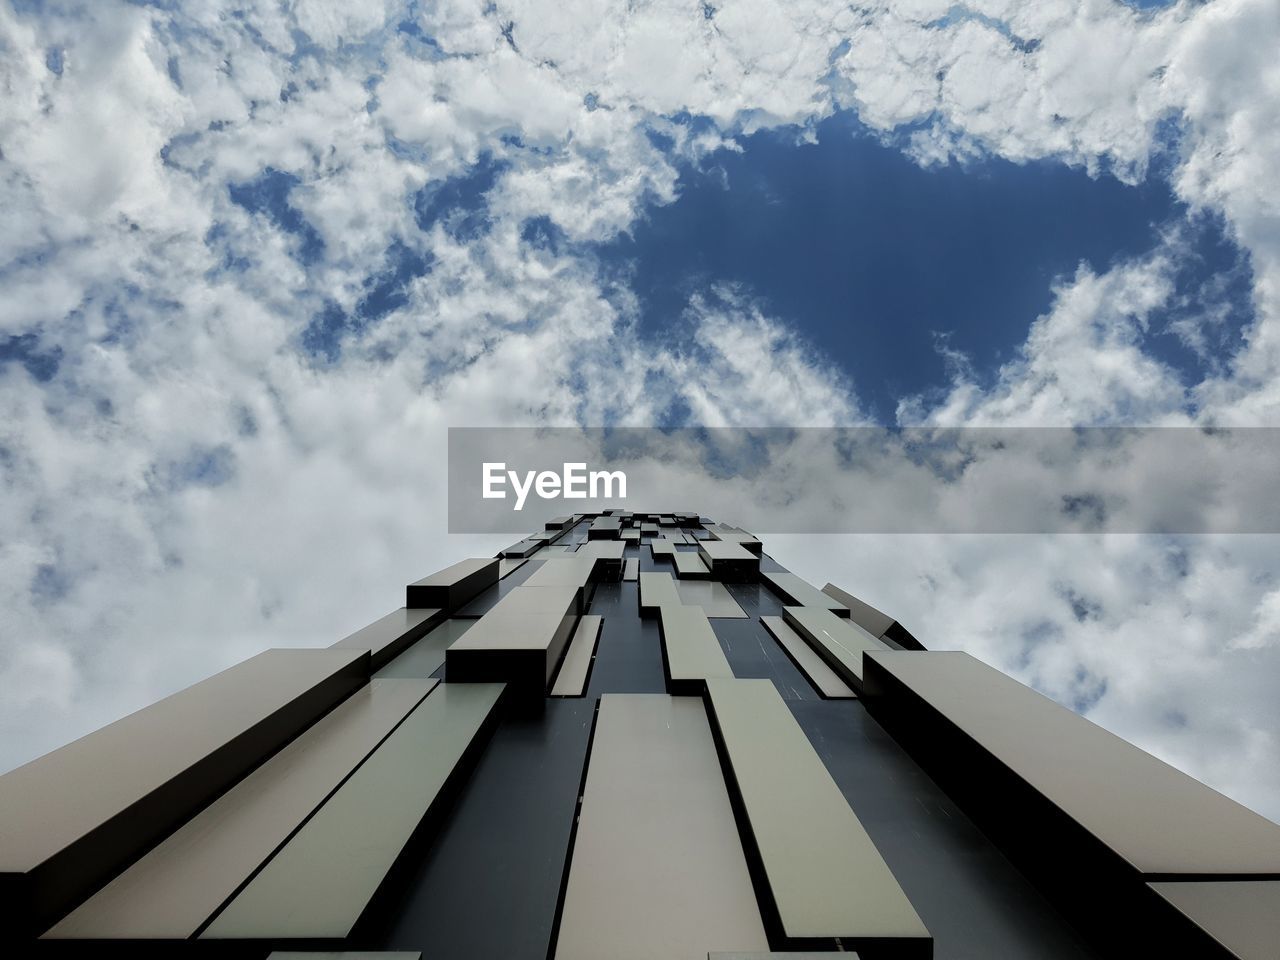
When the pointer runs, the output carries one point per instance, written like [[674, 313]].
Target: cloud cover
[[259, 256]]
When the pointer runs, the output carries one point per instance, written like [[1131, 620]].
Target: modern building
[[626, 736]]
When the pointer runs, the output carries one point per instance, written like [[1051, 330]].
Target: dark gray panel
[[172, 891], [74, 817], [321, 882], [825, 878], [387, 636], [629, 654], [1239, 918], [657, 868], [498, 855], [974, 902], [344, 955], [753, 654], [453, 586]]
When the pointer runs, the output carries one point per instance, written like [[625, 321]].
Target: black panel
[[488, 886], [972, 899]]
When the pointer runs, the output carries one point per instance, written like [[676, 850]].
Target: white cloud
[[192, 486]]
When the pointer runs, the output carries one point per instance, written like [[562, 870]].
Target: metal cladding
[[691, 653], [453, 586], [799, 593], [657, 867], [571, 681], [321, 882], [180, 884], [873, 621], [1091, 817], [605, 528], [631, 735], [72, 819], [816, 670], [825, 878], [1234, 918], [388, 636], [729, 561], [837, 640], [521, 640]]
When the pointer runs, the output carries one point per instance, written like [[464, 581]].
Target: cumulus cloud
[[255, 265]]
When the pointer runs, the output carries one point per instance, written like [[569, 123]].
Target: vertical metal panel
[[825, 877], [387, 636], [320, 883], [1158, 819], [425, 657], [691, 566], [608, 555], [729, 561], [657, 867], [173, 890], [657, 589], [823, 678], [1237, 918], [662, 549], [796, 592], [839, 641], [690, 651], [712, 598], [522, 548], [571, 680], [570, 570], [508, 565], [453, 586], [519, 641], [873, 621], [72, 818], [604, 528]]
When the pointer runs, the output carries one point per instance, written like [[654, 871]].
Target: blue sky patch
[[268, 195], [879, 262]]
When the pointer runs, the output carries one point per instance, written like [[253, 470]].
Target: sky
[[257, 257]]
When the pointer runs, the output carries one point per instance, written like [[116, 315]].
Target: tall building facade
[[626, 736]]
